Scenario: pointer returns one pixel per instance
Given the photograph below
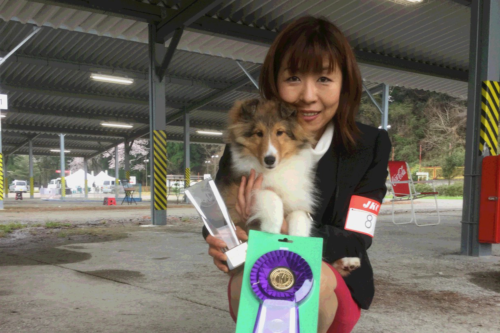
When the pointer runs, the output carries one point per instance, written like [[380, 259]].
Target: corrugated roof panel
[[414, 81]]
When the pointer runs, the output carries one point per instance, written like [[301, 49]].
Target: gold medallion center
[[281, 278]]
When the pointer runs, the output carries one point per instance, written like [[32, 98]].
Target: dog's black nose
[[269, 160]]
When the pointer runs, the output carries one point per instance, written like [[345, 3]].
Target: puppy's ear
[[287, 111], [249, 107]]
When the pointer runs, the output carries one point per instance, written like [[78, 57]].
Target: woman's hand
[[245, 200], [215, 246]]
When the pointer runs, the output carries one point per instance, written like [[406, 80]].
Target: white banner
[[3, 102]]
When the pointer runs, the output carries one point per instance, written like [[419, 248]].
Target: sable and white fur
[[291, 177]]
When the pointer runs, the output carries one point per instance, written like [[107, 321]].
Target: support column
[[3, 180], [117, 173], [157, 134], [385, 106], [127, 160], [63, 171], [187, 155], [85, 182], [484, 64], [32, 188], [5, 176]]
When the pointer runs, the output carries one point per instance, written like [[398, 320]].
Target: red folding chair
[[403, 189]]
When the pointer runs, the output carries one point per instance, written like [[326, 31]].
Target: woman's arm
[[340, 243]]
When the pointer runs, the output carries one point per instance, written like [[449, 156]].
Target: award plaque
[[280, 288], [213, 211]]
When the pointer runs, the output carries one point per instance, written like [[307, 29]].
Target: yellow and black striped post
[[127, 176], [63, 187], [490, 95], [1, 181], [32, 188], [187, 181], [160, 169]]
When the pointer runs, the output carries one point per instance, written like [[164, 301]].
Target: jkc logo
[[371, 205], [399, 175]]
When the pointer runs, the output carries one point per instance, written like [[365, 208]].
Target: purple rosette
[[261, 270]]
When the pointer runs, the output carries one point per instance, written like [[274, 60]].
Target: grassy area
[[57, 225], [8, 228]]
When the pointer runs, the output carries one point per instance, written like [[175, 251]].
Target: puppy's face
[[267, 130]]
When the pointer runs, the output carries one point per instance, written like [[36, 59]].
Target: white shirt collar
[[324, 142]]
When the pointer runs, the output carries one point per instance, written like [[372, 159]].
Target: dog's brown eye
[[279, 133], [260, 134]]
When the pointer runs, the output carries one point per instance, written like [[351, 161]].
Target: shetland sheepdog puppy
[[266, 136]]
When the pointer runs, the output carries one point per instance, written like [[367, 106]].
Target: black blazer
[[339, 175], [362, 172]]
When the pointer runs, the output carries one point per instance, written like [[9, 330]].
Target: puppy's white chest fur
[[292, 195]]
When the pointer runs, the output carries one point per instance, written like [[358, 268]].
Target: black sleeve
[[224, 164], [340, 243]]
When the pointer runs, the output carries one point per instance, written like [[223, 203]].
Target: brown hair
[[305, 42]]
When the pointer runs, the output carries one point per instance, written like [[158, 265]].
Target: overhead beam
[[172, 47], [375, 59], [74, 114], [95, 97], [205, 101], [180, 138], [48, 154], [21, 145], [123, 8], [57, 130], [55, 146], [110, 70], [463, 2], [69, 137], [98, 98], [185, 16], [80, 115], [252, 35], [233, 31]]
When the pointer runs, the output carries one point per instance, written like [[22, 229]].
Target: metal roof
[[423, 46]]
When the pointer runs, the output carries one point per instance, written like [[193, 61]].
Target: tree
[[450, 163], [446, 127]]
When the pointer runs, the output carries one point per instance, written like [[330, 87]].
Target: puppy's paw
[[346, 265], [299, 224], [268, 209]]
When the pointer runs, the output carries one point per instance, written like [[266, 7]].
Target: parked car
[[19, 186], [55, 183], [108, 186]]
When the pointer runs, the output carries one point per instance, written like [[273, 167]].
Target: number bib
[[362, 215]]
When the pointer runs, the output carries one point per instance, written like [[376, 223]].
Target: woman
[[311, 65]]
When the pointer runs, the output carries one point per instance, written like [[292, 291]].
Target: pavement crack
[[199, 303]]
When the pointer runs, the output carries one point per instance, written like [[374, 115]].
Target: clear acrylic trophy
[[213, 211]]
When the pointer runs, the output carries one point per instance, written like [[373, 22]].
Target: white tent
[[78, 179], [100, 178]]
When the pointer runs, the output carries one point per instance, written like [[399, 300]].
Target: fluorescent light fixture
[[2, 116], [414, 1], [117, 125], [111, 79], [59, 150], [209, 132]]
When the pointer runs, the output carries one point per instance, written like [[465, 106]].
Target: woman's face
[[315, 95]]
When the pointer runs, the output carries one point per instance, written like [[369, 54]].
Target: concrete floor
[[127, 278]]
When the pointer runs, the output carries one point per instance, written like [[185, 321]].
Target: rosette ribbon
[[281, 279]]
